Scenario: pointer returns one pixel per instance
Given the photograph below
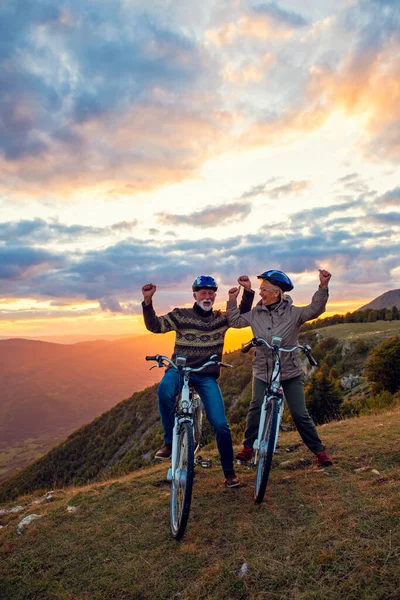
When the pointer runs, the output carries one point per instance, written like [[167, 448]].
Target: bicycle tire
[[182, 482], [266, 450]]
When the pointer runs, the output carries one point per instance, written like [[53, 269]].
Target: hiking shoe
[[322, 459], [164, 453], [245, 455], [231, 480]]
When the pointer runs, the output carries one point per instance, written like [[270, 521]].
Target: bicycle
[[185, 440], [271, 412]]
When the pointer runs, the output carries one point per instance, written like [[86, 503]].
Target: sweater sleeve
[[156, 324], [316, 307], [246, 302]]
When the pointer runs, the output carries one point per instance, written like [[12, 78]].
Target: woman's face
[[269, 293]]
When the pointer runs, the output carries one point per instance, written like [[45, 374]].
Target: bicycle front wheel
[[182, 481], [266, 450]]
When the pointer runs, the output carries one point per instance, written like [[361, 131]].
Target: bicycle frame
[[274, 391]]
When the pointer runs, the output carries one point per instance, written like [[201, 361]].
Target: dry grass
[[320, 534]]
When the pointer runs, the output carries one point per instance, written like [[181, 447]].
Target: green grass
[[375, 332], [326, 534]]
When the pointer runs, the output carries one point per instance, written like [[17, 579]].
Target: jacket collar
[[279, 307]]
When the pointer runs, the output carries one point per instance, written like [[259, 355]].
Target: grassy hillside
[[320, 534], [373, 332]]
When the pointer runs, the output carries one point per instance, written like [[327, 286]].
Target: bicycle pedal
[[245, 463], [206, 463]]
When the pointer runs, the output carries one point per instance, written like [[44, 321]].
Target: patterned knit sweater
[[199, 333]]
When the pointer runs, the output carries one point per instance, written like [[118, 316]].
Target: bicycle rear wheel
[[182, 481], [266, 450]]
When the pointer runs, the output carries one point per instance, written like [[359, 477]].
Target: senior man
[[200, 332]]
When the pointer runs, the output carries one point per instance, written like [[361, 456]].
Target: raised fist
[[148, 292], [324, 277], [245, 282], [233, 293]]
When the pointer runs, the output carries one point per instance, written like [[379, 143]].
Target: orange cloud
[[249, 71], [147, 147]]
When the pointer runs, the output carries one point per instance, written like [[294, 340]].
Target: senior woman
[[276, 315]]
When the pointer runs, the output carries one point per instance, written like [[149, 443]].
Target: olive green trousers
[[293, 390]]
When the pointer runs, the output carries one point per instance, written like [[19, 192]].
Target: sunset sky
[[153, 142]]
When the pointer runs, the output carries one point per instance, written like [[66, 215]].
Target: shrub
[[323, 397], [382, 368]]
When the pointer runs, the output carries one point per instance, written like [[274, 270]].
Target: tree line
[[369, 315]]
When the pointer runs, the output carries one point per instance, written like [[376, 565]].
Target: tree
[[395, 313], [322, 397], [382, 368]]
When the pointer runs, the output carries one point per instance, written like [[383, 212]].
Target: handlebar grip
[[152, 357], [247, 347], [312, 361]]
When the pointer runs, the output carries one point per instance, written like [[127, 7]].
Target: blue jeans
[[208, 389]]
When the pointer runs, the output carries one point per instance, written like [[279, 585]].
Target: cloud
[[105, 97], [346, 237], [293, 187], [348, 178], [210, 216], [391, 198], [279, 16], [41, 231], [257, 190], [18, 263]]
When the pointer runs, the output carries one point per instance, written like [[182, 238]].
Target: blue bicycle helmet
[[204, 281], [278, 278]]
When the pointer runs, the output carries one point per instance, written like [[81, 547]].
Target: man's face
[[205, 298]]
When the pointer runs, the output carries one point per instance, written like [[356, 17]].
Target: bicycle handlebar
[[160, 359], [258, 341]]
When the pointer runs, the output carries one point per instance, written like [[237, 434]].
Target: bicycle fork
[[267, 401]]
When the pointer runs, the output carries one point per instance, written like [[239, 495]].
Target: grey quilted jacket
[[284, 320]]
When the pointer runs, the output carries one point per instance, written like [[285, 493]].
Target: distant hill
[[49, 390], [386, 300]]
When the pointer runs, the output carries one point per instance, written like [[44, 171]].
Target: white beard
[[206, 308]]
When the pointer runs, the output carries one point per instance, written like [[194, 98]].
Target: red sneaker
[[245, 455], [322, 459]]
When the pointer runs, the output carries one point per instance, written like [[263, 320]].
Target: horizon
[[155, 144]]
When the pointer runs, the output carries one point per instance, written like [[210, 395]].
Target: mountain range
[[49, 390]]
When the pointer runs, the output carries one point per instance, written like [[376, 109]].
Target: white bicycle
[[185, 440]]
